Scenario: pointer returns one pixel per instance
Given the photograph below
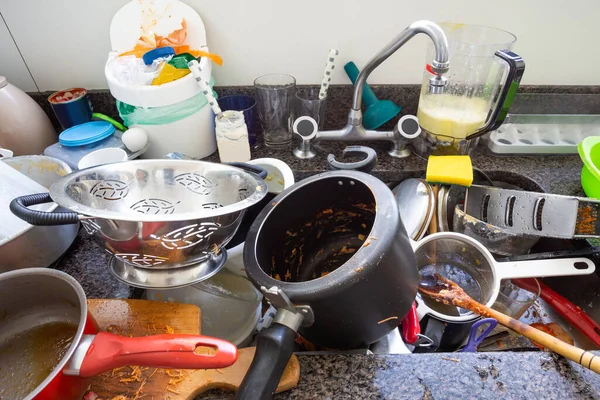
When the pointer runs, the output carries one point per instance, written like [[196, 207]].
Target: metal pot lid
[[159, 190], [415, 205]]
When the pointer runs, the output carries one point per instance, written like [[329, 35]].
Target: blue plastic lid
[[90, 132], [158, 52]]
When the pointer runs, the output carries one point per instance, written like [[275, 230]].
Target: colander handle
[[41, 218], [255, 169]]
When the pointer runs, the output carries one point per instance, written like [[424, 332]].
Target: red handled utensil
[[569, 311]]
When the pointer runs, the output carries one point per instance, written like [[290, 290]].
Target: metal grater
[[532, 213]]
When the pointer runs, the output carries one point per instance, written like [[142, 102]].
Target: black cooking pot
[[335, 242]]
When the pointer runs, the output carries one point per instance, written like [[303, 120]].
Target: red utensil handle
[[109, 351], [569, 311], [410, 326]]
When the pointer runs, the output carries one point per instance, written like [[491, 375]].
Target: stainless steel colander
[[152, 214]]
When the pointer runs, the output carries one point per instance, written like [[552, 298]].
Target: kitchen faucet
[[354, 130]]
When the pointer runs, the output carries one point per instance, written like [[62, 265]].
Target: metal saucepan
[[49, 242], [49, 343], [335, 245], [467, 262], [154, 214]]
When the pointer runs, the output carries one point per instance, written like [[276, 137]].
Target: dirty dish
[[467, 262], [514, 300], [497, 240], [50, 345], [101, 157], [416, 205], [50, 242]]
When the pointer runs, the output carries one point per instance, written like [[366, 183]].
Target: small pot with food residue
[[335, 243], [50, 345]]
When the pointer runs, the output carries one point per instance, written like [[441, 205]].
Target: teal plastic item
[[163, 115], [87, 133], [378, 112]]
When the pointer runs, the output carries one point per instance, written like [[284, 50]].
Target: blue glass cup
[[71, 106], [247, 105]]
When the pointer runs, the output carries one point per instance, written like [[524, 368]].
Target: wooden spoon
[[445, 291]]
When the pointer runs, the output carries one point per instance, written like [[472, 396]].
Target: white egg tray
[[543, 134]]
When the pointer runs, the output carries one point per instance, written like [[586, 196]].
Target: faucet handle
[[405, 130], [307, 128]]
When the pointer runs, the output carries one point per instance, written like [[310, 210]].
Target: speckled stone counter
[[508, 375], [533, 375]]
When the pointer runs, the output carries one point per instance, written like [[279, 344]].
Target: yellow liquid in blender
[[452, 116]]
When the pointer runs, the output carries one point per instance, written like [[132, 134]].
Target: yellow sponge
[[456, 170]]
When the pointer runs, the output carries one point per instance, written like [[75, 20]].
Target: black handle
[[433, 329], [255, 169], [41, 218], [516, 68], [365, 165], [274, 347]]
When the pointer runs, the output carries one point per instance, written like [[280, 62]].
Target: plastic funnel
[[378, 112]]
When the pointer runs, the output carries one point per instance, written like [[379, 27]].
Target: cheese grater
[[532, 213]]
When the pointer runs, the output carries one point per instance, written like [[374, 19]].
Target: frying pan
[[36, 297]]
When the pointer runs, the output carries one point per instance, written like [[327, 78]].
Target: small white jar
[[232, 137]]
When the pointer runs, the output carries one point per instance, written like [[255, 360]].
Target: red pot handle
[[410, 326], [569, 311], [109, 351]]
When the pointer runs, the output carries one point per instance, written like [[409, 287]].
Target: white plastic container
[[193, 135]]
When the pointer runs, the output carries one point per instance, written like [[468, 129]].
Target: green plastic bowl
[[589, 151]]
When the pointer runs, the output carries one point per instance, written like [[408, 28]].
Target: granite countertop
[[511, 375]]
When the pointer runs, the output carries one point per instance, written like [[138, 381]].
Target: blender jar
[[483, 78]]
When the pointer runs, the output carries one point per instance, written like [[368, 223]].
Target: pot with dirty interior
[[335, 245], [50, 345]]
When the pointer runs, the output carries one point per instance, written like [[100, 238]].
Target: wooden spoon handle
[[580, 356]]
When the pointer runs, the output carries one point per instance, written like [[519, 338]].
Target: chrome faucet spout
[[439, 66], [354, 130]]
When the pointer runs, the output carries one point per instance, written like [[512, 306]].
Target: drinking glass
[[308, 104], [247, 105], [274, 97]]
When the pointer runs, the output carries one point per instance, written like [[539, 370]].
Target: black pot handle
[[255, 169], [41, 218], [274, 347], [516, 68]]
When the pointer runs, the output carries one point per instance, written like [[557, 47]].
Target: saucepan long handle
[[108, 351], [542, 268]]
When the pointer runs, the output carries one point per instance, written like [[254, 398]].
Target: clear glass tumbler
[[513, 300], [308, 104], [275, 97]]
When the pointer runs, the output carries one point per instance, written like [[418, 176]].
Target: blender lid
[[87, 133]]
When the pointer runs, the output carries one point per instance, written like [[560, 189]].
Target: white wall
[[12, 65], [65, 43]]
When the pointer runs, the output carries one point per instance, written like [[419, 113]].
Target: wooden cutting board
[[145, 317]]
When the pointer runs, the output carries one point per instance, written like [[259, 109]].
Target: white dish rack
[[543, 133]]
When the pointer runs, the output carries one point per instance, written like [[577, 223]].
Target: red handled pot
[[46, 327]]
